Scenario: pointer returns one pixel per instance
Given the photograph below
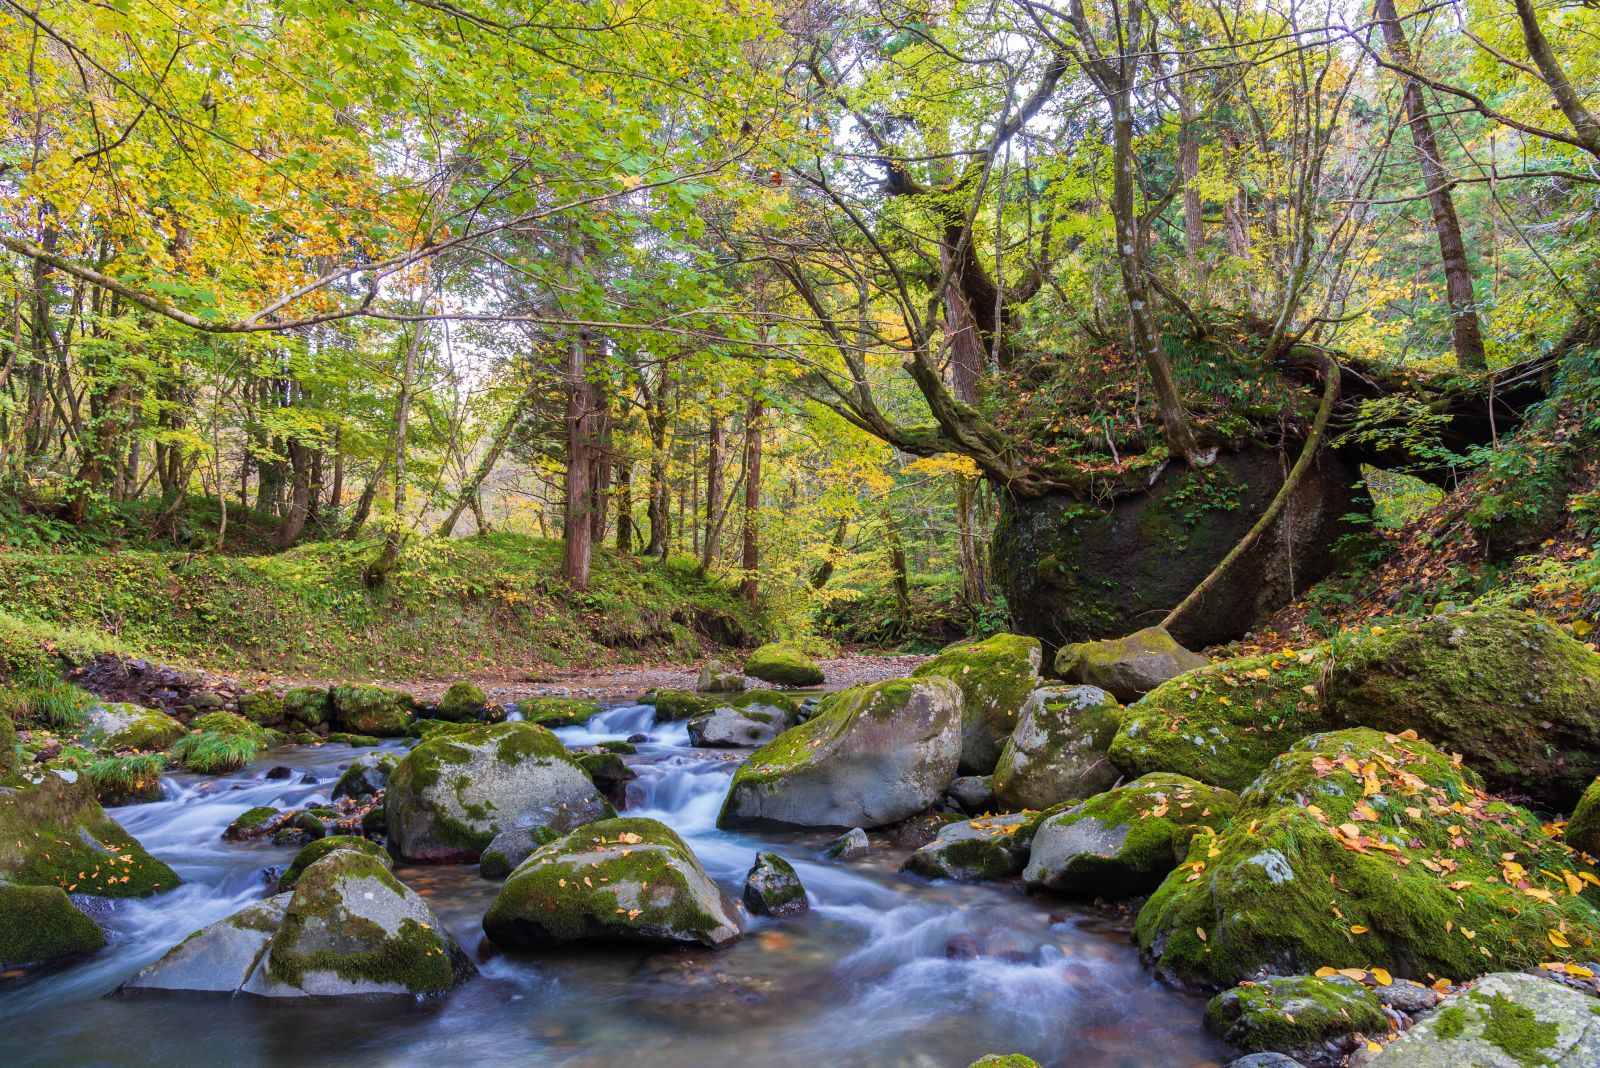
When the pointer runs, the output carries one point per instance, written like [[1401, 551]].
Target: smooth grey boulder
[[848, 846], [452, 794], [1555, 1026], [510, 848], [218, 959], [1058, 751], [366, 776], [772, 888], [871, 756], [1129, 667], [973, 793], [725, 727], [993, 847]]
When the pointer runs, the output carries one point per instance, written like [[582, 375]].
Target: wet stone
[[848, 846]]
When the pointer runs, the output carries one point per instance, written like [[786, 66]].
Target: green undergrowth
[[452, 605]]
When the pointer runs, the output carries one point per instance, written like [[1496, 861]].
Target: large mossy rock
[[372, 710], [40, 923], [1122, 843], [995, 677], [1517, 696], [990, 847], [1359, 849], [749, 720], [1312, 1019], [673, 705], [53, 832], [556, 712], [1583, 828], [1127, 667], [314, 852], [1225, 723], [783, 665], [1073, 570], [129, 726], [308, 707], [462, 702], [617, 880], [449, 797], [1507, 1020], [1058, 751], [871, 756]]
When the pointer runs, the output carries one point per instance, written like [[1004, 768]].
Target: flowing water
[[884, 971]]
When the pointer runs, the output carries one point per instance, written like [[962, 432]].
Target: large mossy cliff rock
[[1357, 849], [619, 880], [1507, 1020], [1127, 667], [1518, 697], [783, 665], [871, 756], [40, 923], [1058, 751], [1583, 828], [129, 726], [1122, 843], [449, 797], [1074, 571], [372, 710], [995, 677], [53, 832], [1315, 1020], [1223, 724]]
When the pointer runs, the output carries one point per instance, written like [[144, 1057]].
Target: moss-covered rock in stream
[[717, 677], [129, 726], [772, 888], [462, 702], [1122, 843], [990, 847], [314, 852], [1223, 724], [1583, 828], [257, 822], [372, 710], [1517, 696], [557, 711], [53, 832], [449, 797], [1058, 751], [266, 708], [510, 848], [40, 923], [308, 708], [995, 677], [673, 705], [1360, 849], [1004, 1060], [222, 741], [1127, 667], [1314, 1020], [615, 880], [743, 723], [783, 665], [366, 776], [871, 756], [1507, 1020]]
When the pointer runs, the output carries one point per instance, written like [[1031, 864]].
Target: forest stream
[[885, 970]]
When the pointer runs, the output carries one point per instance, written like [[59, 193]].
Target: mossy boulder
[[221, 741], [321, 848], [1507, 1020], [372, 710], [623, 880], [1004, 1060], [265, 708], [990, 847], [307, 707], [783, 665], [673, 705], [996, 677], [1127, 667], [1515, 694], [252, 823], [1223, 724], [557, 711], [449, 797], [53, 832], [366, 776], [1583, 828], [1357, 849], [40, 923], [1314, 1020], [746, 727], [1123, 842], [355, 741], [462, 702], [129, 726], [717, 677], [8, 746], [772, 887], [511, 848], [871, 756], [1058, 751]]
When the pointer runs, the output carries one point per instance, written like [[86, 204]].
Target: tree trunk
[[824, 571], [294, 517], [363, 508], [625, 531], [716, 448], [974, 584], [751, 558], [897, 566], [473, 485], [395, 537], [1194, 216], [659, 512], [1466, 335], [599, 466], [577, 531], [96, 449]]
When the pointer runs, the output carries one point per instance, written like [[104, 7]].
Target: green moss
[[995, 676], [54, 833], [263, 707], [211, 753], [229, 723], [1583, 829], [9, 755], [372, 710], [1517, 1031], [307, 706], [1004, 1060], [38, 697], [835, 715], [557, 711], [128, 726], [358, 741], [1297, 1012], [463, 701], [250, 819], [321, 848], [118, 780], [783, 665], [39, 923], [1223, 724], [1451, 1022], [672, 705], [787, 703]]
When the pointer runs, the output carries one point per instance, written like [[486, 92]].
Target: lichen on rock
[[1058, 750], [995, 677], [129, 726], [1297, 1015], [40, 923], [372, 710], [1507, 1020], [53, 832], [1128, 667]]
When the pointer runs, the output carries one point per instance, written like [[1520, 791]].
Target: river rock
[[783, 665], [1515, 694], [609, 773], [773, 888], [53, 832], [973, 794], [673, 705], [614, 880], [871, 756], [510, 848], [1004, 1060], [1507, 1020], [307, 708], [848, 846], [462, 702], [1314, 1020], [1058, 751], [40, 923], [1419, 856], [717, 677], [372, 710], [449, 797], [257, 822], [1122, 843], [128, 726], [995, 677], [992, 847], [1127, 667], [555, 712], [1264, 1060], [366, 776], [217, 959], [321, 848], [728, 727]]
